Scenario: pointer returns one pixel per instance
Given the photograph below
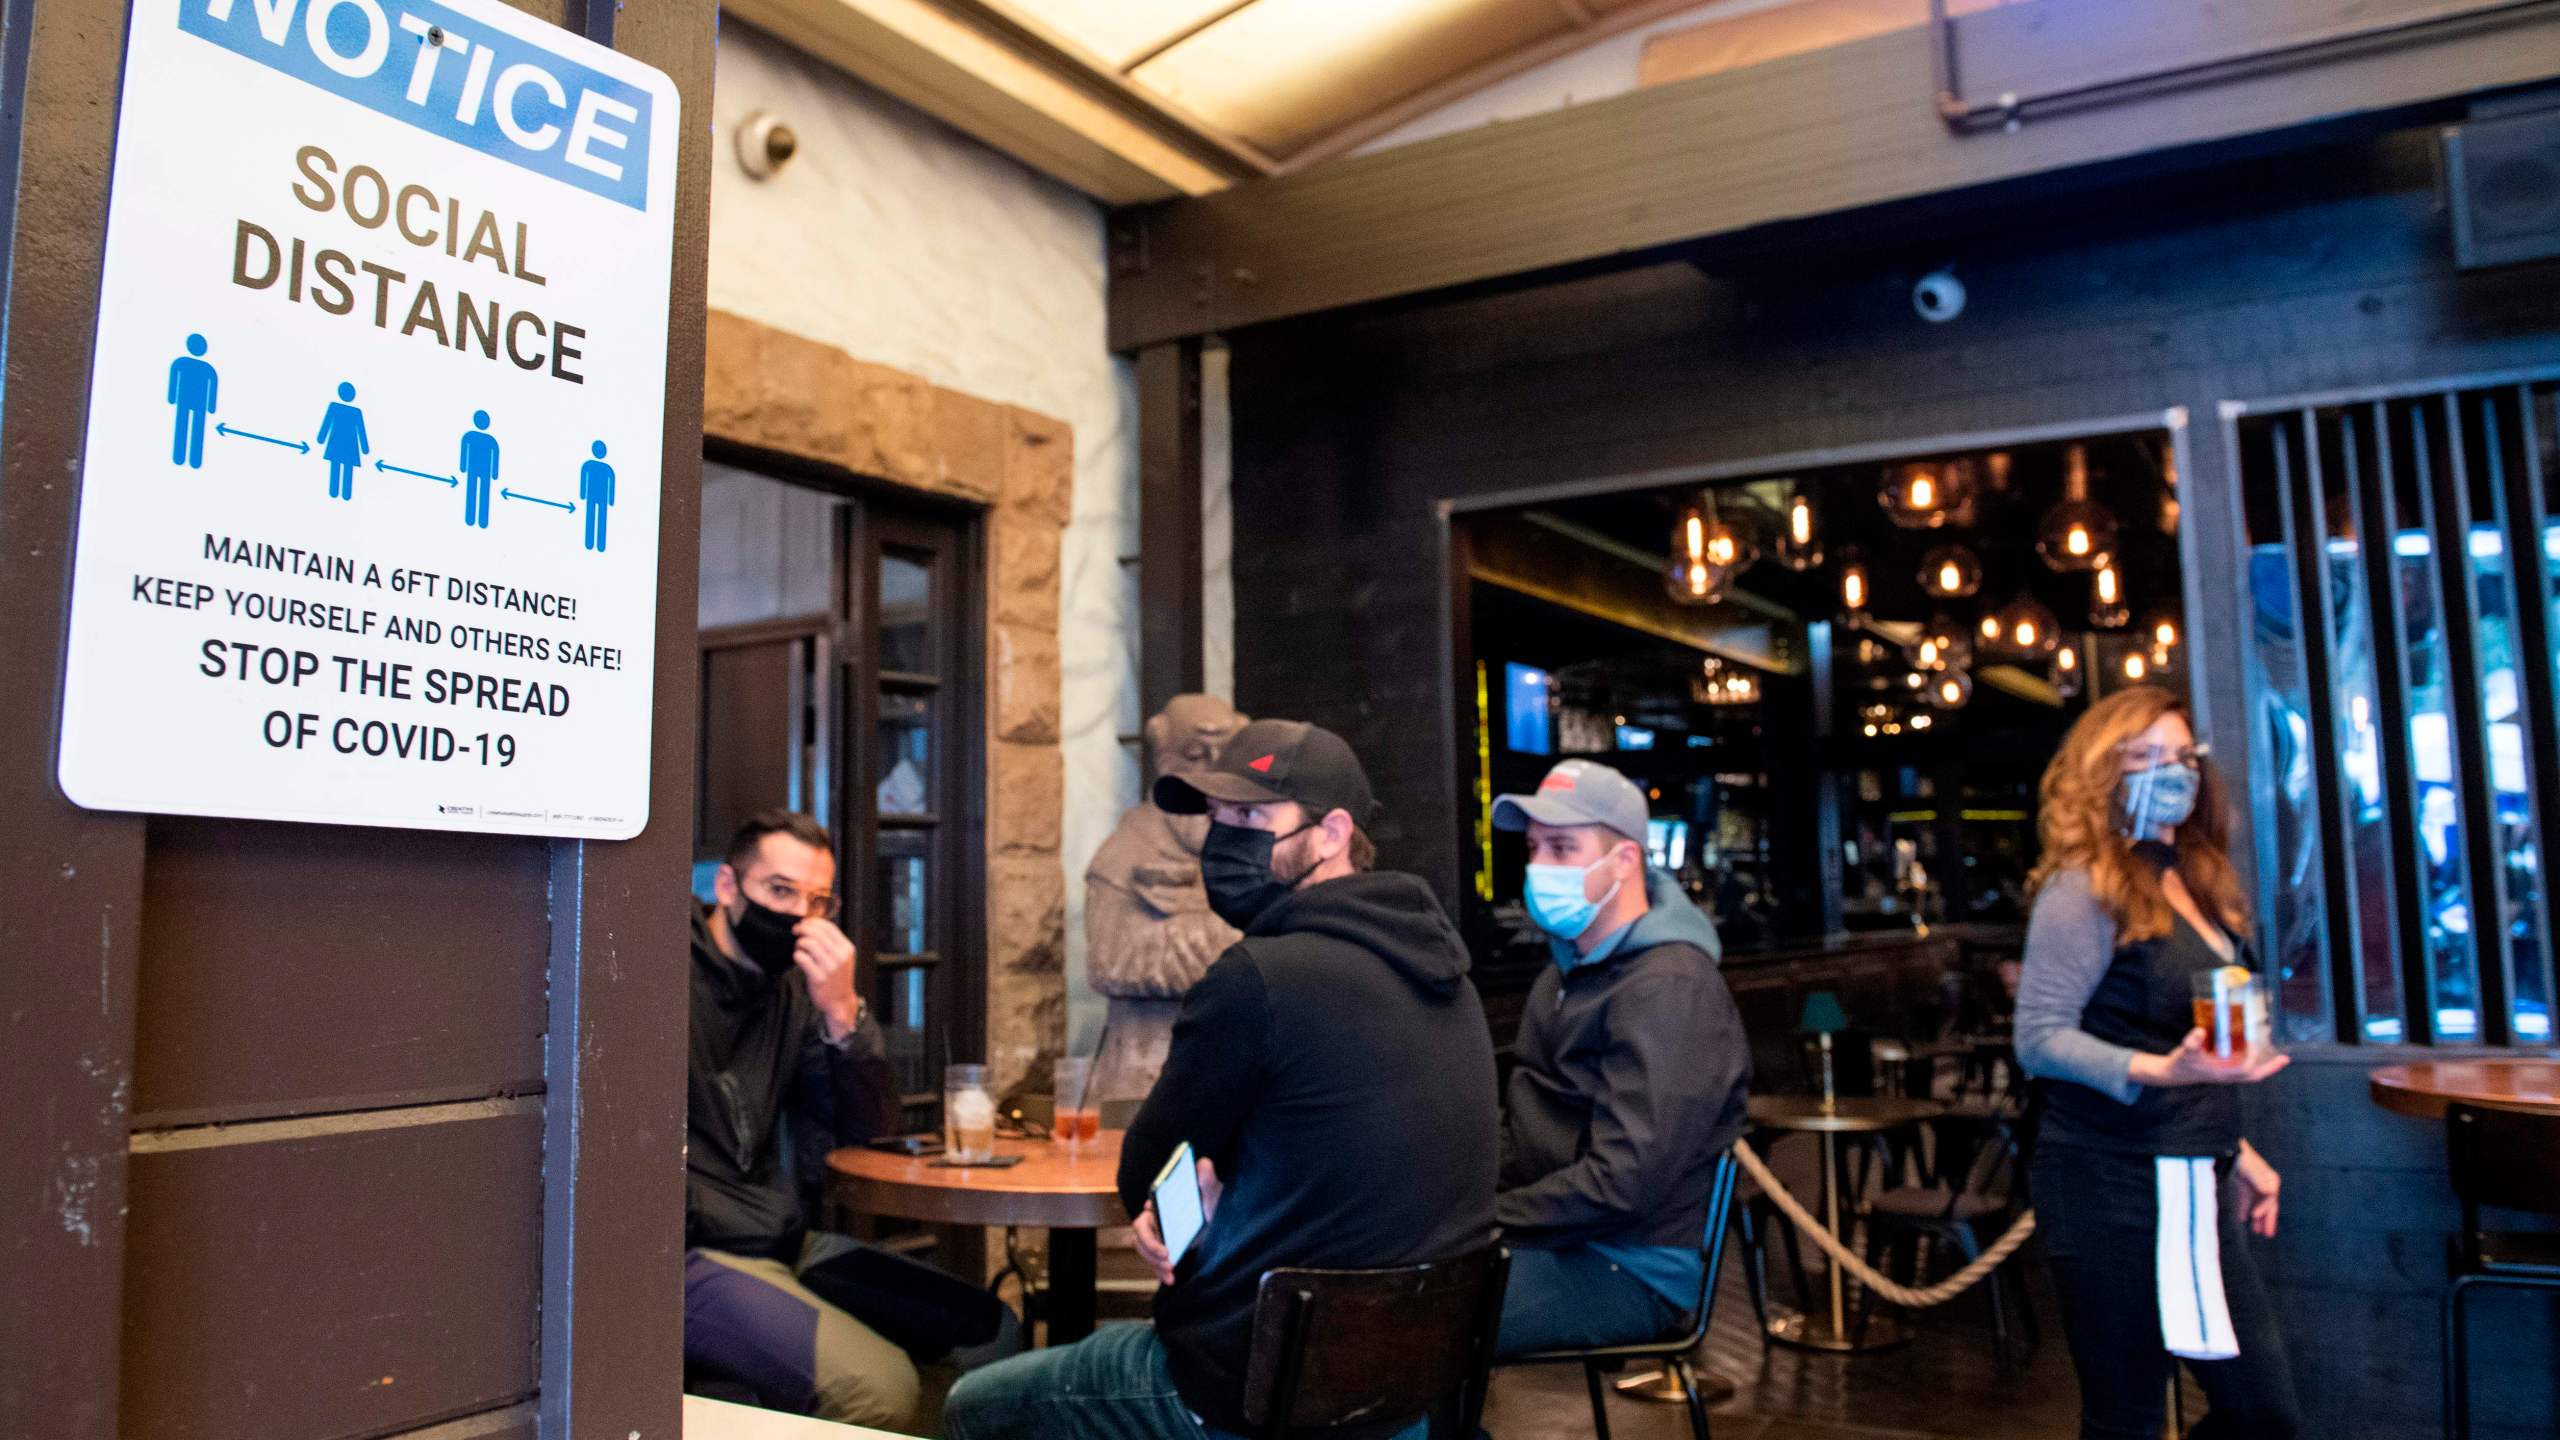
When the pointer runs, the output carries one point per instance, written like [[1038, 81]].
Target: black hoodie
[[1335, 1066], [765, 1098]]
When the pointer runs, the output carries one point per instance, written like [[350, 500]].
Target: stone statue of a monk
[[1148, 931]]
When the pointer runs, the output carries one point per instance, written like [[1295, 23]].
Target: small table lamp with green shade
[[1822, 1019]]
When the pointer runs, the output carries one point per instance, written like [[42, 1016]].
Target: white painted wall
[[905, 243]]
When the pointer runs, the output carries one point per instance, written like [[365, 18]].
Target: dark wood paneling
[[297, 968], [68, 938], [751, 697], [1170, 624], [1818, 134], [341, 1284]]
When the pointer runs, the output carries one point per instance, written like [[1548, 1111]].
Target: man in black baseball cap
[[1334, 1075]]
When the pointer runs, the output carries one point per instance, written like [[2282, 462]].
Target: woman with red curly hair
[[2143, 1184]]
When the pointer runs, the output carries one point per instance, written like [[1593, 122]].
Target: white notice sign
[[369, 505]]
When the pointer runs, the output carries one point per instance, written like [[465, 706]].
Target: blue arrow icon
[[421, 474], [303, 446], [536, 499]]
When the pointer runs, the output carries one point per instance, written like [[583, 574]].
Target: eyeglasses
[[2138, 756], [780, 894]]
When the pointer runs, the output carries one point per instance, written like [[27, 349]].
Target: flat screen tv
[[1527, 696]]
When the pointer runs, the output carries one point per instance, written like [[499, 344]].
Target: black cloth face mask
[[1235, 868], [765, 936]]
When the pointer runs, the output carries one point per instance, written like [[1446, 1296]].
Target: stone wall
[[781, 392]]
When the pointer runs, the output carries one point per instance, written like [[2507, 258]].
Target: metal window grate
[[2404, 588]]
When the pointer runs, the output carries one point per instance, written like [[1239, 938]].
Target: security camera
[[1939, 297], [764, 143]]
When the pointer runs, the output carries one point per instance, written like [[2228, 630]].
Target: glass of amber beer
[[2224, 999]]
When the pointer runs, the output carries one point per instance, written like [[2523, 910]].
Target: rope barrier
[[1841, 1255]]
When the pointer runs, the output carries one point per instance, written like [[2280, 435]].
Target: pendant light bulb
[[2079, 533], [1950, 572], [1855, 592], [1929, 494], [1706, 555], [2107, 610], [1799, 545]]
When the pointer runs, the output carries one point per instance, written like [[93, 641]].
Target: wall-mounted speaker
[[2502, 176]]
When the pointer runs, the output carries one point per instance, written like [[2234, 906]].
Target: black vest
[[2146, 1002]]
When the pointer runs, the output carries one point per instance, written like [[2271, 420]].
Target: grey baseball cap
[[1577, 792]]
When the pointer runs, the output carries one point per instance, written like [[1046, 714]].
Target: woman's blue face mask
[[2158, 797]]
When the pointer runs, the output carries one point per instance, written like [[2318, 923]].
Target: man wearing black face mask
[[784, 1066], [1332, 1071]]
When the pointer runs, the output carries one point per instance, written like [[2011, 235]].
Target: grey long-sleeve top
[[2070, 942]]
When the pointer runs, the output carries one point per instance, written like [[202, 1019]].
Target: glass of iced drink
[[1079, 1115], [968, 1114]]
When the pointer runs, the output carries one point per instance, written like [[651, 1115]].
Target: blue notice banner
[[451, 76]]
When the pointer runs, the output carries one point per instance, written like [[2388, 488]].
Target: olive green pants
[[751, 1323]]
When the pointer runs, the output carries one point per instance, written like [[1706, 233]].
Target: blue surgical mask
[[2160, 797], [1557, 903]]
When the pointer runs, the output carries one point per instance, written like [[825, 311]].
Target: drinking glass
[[968, 1114], [2223, 1003], [1079, 1113]]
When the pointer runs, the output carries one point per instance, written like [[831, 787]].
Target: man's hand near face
[[825, 958]]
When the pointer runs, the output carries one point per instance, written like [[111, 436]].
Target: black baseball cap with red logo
[[1273, 760]]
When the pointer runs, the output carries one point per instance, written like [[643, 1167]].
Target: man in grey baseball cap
[[1631, 1080]]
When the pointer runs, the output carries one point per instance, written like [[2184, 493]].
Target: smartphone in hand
[[1179, 1212]]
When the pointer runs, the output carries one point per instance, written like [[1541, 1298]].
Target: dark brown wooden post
[[321, 1130], [70, 938], [1170, 627], [613, 1124]]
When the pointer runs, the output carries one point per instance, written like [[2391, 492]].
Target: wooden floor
[[1942, 1384]]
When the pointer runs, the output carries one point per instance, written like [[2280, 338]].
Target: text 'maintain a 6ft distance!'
[[369, 504]]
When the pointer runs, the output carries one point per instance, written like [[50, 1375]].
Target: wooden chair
[[2503, 1160], [1332, 1346], [1672, 1351]]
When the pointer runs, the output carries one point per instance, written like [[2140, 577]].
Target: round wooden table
[[2425, 1087], [1072, 1191], [1844, 1116]]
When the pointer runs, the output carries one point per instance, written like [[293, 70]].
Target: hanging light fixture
[[2027, 627], [2135, 667], [1799, 544], [1988, 631], [1943, 645], [1721, 682], [1929, 494], [1950, 572], [2164, 638], [2079, 533], [1951, 690], [2107, 609], [2066, 671], [1706, 554], [1855, 593]]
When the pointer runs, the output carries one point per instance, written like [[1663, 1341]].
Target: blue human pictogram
[[342, 443], [192, 386], [479, 469], [595, 486]]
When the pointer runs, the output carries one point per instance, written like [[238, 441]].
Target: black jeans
[[2096, 1211]]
